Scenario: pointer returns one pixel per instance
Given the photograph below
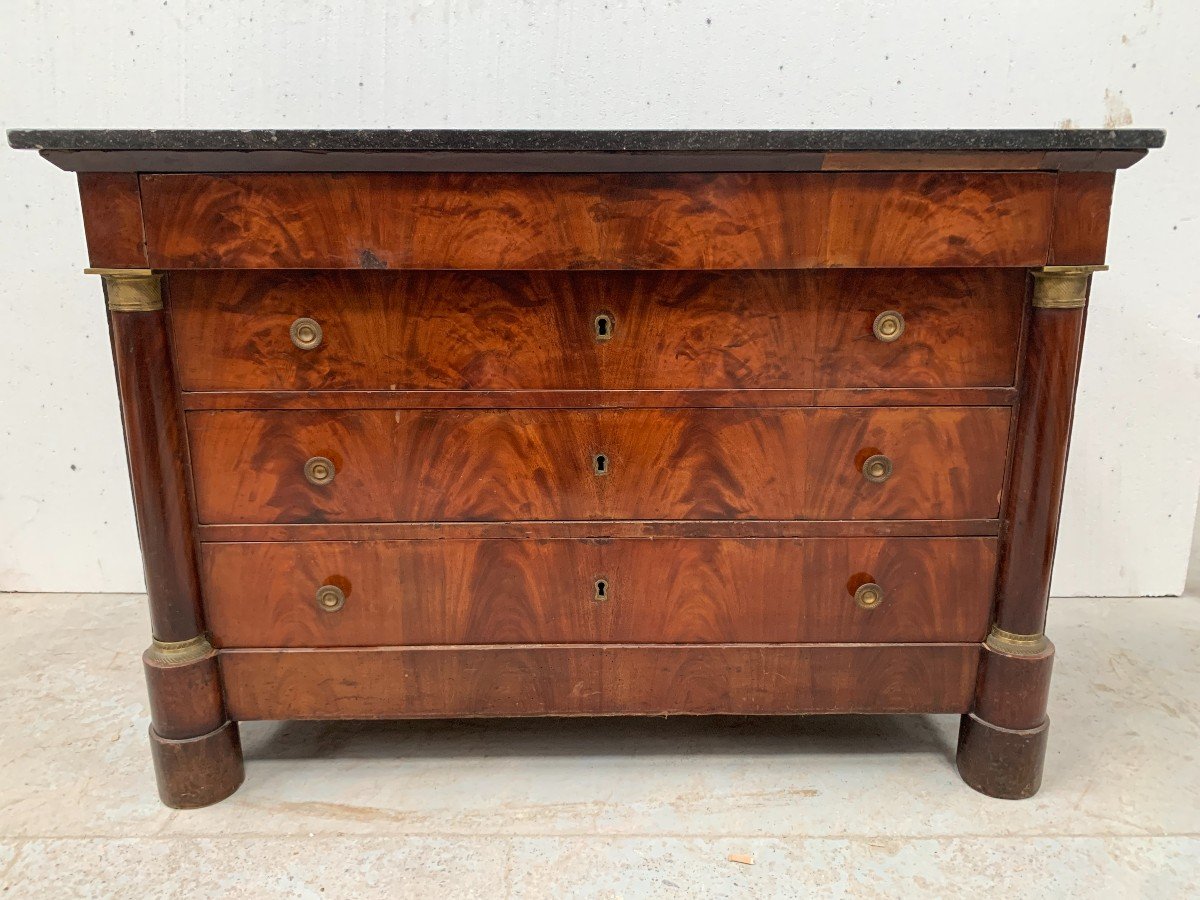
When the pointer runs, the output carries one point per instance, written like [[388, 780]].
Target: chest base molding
[[595, 679]]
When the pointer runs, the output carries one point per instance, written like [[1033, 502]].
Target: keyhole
[[601, 590], [604, 327], [600, 464]]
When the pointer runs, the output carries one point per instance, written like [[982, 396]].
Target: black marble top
[[681, 141]]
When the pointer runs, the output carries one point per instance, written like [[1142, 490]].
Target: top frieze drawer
[[761, 220]]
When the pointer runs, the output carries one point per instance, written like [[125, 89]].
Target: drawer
[[522, 465], [720, 220], [695, 590], [607, 331]]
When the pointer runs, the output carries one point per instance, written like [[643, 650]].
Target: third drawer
[[441, 465], [690, 590]]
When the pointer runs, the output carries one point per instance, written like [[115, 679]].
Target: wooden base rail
[[571, 680]]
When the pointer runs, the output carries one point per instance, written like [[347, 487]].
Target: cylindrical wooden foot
[[197, 752], [1001, 762], [1002, 742], [198, 771]]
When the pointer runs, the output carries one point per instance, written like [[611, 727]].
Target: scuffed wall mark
[[1117, 113], [1066, 123]]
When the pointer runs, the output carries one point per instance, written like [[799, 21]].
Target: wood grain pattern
[[913, 397], [463, 398], [502, 465], [1081, 208], [198, 771], [635, 221], [1013, 691], [422, 682], [158, 468], [112, 220], [647, 528], [722, 399], [999, 762], [678, 331], [688, 591], [1033, 500], [185, 700]]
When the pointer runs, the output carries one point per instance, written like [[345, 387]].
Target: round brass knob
[[330, 598], [319, 470], [306, 333], [888, 326], [877, 468], [869, 596]]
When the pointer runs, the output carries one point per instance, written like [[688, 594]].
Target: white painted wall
[[65, 517]]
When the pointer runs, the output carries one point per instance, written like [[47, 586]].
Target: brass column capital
[[1016, 644], [1062, 287], [179, 653], [130, 290]]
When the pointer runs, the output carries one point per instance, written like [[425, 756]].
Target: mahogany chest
[[442, 424]]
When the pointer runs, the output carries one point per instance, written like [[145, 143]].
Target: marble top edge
[[567, 141]]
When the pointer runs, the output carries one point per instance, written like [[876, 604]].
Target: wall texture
[[65, 516]]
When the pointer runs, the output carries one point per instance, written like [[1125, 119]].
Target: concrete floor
[[839, 806]]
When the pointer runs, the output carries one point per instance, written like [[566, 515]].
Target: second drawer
[[688, 590], [443, 465], [439, 331]]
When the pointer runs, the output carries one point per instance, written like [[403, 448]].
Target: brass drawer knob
[[888, 326], [877, 469], [869, 595], [306, 333], [330, 598], [319, 470]]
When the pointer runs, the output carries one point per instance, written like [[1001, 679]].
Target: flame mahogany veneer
[[527, 591], [444, 465], [781, 431]]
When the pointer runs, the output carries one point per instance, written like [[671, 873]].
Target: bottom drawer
[[749, 679], [679, 590]]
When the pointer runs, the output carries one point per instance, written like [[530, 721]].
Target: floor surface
[[828, 806]]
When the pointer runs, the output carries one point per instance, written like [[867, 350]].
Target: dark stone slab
[[682, 141]]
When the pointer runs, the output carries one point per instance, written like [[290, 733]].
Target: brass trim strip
[[1062, 287], [1016, 644], [179, 653], [130, 290]]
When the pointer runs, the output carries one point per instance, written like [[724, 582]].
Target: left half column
[[196, 749]]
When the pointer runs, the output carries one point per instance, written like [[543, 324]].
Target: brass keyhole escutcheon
[[869, 595], [601, 464], [604, 326], [602, 591], [888, 326], [877, 469], [319, 470], [330, 598], [306, 333]]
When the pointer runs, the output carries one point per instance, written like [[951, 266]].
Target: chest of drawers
[[499, 424]]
